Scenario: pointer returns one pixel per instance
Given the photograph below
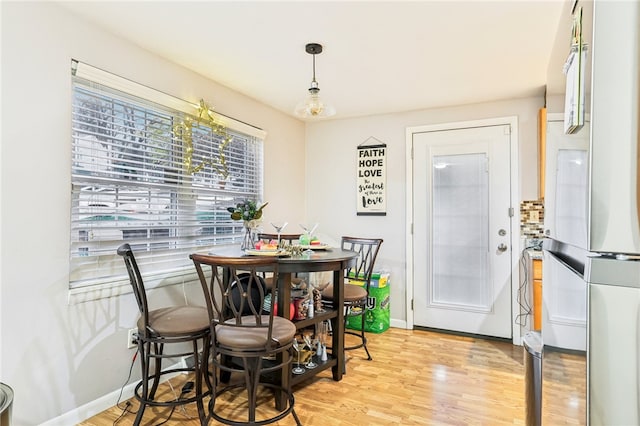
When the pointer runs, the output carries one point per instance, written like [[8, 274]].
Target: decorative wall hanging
[[372, 177], [183, 130]]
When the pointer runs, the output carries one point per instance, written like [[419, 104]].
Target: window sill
[[103, 290]]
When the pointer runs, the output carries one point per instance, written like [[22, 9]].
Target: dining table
[[319, 259]]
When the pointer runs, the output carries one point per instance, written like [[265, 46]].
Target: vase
[[250, 236]]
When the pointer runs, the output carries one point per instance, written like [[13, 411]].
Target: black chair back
[[136, 282], [286, 237], [367, 249], [235, 294]]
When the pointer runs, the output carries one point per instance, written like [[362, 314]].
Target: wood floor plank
[[416, 378]]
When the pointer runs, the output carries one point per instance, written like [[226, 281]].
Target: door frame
[[512, 121]]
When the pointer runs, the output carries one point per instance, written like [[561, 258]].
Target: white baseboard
[[96, 406], [92, 408], [396, 323]]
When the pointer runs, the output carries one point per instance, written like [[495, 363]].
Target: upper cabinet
[[542, 150]]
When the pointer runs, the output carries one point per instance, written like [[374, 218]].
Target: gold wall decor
[[183, 130]]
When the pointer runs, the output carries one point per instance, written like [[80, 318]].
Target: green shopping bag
[[378, 315]]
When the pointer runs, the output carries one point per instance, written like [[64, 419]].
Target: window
[[136, 179]]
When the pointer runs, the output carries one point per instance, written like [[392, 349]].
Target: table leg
[[284, 298], [338, 326]]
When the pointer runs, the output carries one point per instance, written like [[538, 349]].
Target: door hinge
[[412, 304], [511, 212], [412, 229], [507, 129]]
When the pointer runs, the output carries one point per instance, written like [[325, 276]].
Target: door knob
[[502, 247]]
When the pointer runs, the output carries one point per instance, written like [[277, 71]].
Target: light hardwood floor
[[417, 378]]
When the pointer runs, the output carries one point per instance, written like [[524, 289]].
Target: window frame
[[107, 276]]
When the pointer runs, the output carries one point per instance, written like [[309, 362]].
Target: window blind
[[130, 183]]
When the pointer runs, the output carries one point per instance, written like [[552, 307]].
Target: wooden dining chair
[[357, 283], [246, 339], [175, 326]]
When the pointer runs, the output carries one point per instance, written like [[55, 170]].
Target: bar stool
[[246, 339], [159, 327], [356, 296]]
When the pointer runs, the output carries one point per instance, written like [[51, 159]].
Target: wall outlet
[[132, 338], [534, 216]]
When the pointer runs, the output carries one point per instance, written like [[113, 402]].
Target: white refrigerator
[[594, 228], [612, 270]]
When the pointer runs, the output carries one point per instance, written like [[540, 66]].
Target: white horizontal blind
[[130, 184]]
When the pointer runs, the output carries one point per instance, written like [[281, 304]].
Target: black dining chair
[[356, 294], [173, 325], [246, 338], [289, 238]]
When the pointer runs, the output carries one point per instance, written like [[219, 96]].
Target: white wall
[[59, 356], [55, 355], [331, 176]]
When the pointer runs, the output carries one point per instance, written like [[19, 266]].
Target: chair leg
[[206, 352], [143, 351], [252, 378], [225, 376], [139, 415], [145, 391], [295, 417], [199, 370], [252, 372], [362, 335], [216, 375], [157, 348]]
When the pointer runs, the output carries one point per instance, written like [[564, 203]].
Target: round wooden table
[[335, 260]]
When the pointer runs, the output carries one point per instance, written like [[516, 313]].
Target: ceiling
[[378, 58]]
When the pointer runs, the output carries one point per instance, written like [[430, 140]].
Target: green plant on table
[[247, 211]]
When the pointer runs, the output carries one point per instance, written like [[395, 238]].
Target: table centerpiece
[[249, 212]]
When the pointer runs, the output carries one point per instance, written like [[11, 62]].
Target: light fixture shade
[[313, 106]]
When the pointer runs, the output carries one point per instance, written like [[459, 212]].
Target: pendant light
[[312, 106]]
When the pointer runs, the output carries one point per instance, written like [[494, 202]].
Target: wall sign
[[372, 178]]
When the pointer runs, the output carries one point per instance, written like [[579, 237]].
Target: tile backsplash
[[532, 219]]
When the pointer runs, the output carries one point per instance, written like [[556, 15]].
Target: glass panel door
[[460, 231]]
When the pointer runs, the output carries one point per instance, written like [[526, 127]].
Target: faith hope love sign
[[371, 180]]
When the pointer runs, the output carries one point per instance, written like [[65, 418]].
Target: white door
[[462, 230]]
